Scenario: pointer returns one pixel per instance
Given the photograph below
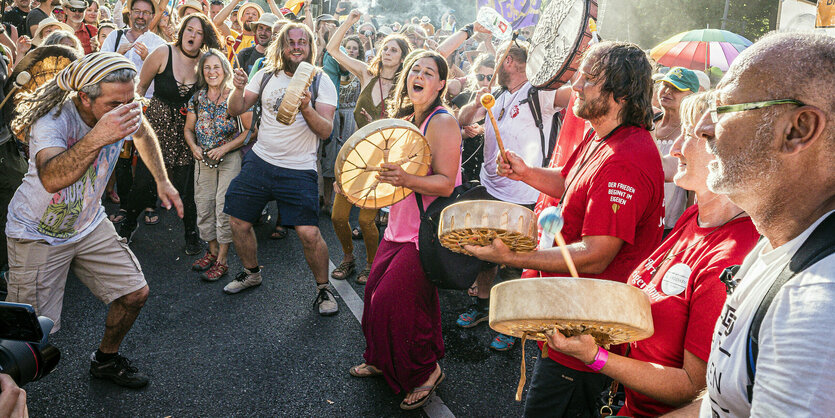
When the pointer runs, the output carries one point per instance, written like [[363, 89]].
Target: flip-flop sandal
[[151, 217], [118, 217], [344, 270], [372, 371], [430, 389], [280, 232]]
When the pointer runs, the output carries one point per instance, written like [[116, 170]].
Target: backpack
[[819, 245], [556, 124], [256, 112]]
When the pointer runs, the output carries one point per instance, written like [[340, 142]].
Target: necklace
[[653, 269], [190, 56]]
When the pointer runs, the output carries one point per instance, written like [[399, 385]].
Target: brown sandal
[[370, 371], [429, 389], [363, 276], [344, 270]]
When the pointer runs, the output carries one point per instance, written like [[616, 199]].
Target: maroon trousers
[[402, 318]]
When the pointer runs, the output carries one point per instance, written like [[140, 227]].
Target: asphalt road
[[264, 352]]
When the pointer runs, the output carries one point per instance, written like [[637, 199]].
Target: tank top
[[169, 89], [366, 102], [404, 216]]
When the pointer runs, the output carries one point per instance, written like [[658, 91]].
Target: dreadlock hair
[[399, 105], [34, 106], [627, 75]]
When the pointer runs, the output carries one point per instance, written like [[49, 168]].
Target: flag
[[826, 14], [294, 6], [520, 13]]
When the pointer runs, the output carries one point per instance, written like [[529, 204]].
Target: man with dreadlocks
[[76, 125]]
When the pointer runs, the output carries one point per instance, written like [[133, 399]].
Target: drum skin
[[612, 312], [382, 141], [289, 107], [479, 222], [558, 42]]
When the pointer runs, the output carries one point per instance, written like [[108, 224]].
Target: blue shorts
[[296, 193]]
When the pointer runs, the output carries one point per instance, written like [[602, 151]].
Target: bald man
[[774, 159]]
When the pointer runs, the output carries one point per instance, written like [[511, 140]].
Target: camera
[[25, 352]]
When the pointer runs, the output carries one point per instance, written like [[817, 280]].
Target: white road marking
[[435, 408]]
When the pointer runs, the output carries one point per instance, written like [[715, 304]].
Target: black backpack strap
[[119, 34], [314, 88], [536, 112], [256, 114], [819, 245]]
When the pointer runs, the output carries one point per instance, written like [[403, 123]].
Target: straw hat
[[246, 6], [49, 21], [189, 4]]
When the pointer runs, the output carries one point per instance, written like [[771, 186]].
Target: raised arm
[[220, 17], [160, 10], [473, 111], [356, 67], [274, 8], [308, 16], [240, 100]]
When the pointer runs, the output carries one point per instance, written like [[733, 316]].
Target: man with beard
[[282, 165], [17, 16], [248, 13], [263, 36], [35, 16], [75, 19], [519, 134], [611, 192], [773, 157], [137, 42]]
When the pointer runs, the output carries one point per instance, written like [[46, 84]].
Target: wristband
[[599, 360], [468, 30]]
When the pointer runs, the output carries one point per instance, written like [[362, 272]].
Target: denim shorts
[[296, 193]]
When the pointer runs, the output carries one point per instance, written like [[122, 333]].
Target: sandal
[[363, 276], [151, 217], [356, 233], [280, 232], [365, 370], [345, 269], [118, 217], [429, 389]]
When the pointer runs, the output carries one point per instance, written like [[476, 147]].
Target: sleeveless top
[[168, 89], [404, 216], [366, 102]]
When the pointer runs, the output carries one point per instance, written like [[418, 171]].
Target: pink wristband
[[599, 360]]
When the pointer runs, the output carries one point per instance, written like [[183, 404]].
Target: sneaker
[[127, 231], [217, 271], [205, 262], [503, 342], [472, 317], [119, 371], [326, 301], [243, 280], [193, 244]]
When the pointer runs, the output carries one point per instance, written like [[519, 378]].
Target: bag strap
[[418, 196], [256, 114], [119, 34], [536, 112], [819, 245]]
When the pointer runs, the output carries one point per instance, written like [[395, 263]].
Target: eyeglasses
[[482, 77], [74, 10], [715, 110], [142, 12]]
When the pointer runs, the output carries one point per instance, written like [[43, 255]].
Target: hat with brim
[[75, 4], [267, 19], [326, 18], [49, 21], [682, 79], [189, 4], [153, 5], [243, 9]]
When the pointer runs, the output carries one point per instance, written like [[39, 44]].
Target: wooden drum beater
[[488, 101], [22, 78]]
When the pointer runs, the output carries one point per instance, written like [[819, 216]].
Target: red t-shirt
[[84, 33], [618, 192], [686, 283]]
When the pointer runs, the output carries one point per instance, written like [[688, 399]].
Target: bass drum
[[558, 42]]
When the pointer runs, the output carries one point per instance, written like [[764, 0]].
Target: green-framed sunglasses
[[715, 111]]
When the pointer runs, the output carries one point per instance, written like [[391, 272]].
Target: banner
[[826, 14], [520, 13]]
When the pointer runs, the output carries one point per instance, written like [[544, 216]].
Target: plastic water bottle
[[550, 223], [495, 23]]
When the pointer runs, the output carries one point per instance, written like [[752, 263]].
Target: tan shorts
[[101, 260]]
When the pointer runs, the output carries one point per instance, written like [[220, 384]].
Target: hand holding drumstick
[[488, 101]]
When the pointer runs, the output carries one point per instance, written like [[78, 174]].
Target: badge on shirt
[[675, 279], [514, 111]]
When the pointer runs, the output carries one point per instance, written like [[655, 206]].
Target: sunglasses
[[74, 10], [482, 77]]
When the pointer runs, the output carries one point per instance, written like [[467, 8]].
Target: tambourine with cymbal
[[393, 141]]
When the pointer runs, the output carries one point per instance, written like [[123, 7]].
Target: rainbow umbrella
[[700, 49]]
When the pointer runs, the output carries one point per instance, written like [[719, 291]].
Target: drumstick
[[19, 81], [551, 222], [499, 63], [488, 101], [566, 255]]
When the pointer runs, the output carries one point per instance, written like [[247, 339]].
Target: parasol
[[700, 49]]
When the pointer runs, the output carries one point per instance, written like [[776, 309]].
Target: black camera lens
[[27, 362]]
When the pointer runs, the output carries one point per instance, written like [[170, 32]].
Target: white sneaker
[[243, 280], [326, 301]]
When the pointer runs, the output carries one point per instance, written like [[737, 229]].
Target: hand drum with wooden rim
[[289, 107], [612, 312], [383, 141], [479, 222]]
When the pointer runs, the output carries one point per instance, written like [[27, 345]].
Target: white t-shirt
[[70, 214], [520, 135], [294, 146], [795, 376], [151, 41]]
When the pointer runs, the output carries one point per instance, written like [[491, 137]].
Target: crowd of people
[[664, 183]]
